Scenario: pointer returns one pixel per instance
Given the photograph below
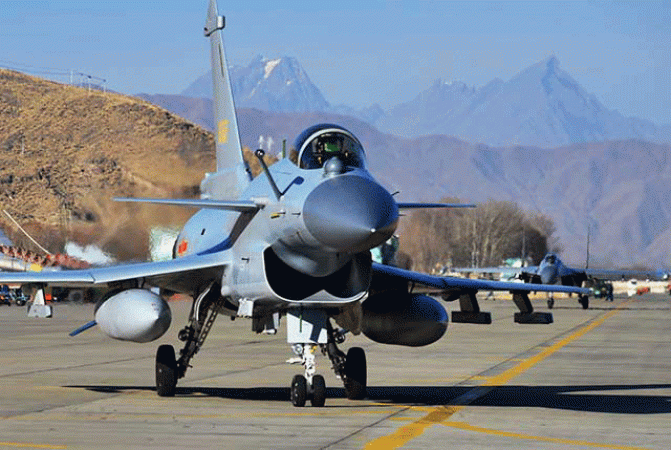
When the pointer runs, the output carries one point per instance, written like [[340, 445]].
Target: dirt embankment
[[65, 152]]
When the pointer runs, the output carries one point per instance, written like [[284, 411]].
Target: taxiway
[[599, 378]]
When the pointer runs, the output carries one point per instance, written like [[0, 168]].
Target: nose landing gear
[[309, 386], [350, 368]]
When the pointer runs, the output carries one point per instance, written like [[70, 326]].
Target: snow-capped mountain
[[541, 105], [268, 84]]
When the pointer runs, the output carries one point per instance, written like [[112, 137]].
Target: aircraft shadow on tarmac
[[598, 398]]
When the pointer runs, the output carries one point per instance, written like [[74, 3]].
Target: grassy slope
[[65, 152]]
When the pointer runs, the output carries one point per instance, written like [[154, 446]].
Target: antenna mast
[[587, 259]]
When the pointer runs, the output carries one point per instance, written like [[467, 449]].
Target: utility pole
[[587, 259]]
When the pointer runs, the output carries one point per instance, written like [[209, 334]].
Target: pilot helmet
[[323, 142]]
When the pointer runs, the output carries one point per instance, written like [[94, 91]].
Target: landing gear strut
[[309, 386], [168, 369], [350, 368]]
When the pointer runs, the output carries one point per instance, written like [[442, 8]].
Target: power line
[[32, 69], [85, 80]]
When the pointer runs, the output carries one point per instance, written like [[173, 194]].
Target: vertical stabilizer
[[232, 175]]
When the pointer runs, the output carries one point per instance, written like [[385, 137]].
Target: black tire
[[355, 374], [166, 371], [584, 301], [299, 391], [318, 391], [551, 303]]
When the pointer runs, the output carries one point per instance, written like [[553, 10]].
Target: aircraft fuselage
[[320, 228]]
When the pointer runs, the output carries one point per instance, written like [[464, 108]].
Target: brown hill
[[65, 152]]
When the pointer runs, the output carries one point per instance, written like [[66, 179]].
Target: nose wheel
[[301, 392], [350, 368], [310, 386], [318, 394]]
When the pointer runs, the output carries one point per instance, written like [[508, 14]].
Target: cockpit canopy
[[550, 258], [320, 143]]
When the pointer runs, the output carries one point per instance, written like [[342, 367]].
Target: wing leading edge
[[452, 283], [184, 275], [229, 205], [626, 274], [464, 290]]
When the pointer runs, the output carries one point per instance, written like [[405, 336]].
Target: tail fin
[[232, 175]]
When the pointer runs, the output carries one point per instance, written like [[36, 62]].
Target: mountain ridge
[[541, 105]]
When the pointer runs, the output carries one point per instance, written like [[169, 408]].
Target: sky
[[357, 52]]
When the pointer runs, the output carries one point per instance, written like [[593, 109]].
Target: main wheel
[[166, 371], [584, 301], [318, 391], [355, 374], [299, 391], [551, 302]]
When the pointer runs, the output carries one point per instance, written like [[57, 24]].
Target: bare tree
[[484, 236], [428, 235], [497, 230]]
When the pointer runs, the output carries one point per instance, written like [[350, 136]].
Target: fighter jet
[[293, 243], [552, 270]]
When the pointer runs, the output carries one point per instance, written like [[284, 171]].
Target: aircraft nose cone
[[549, 275], [350, 213]]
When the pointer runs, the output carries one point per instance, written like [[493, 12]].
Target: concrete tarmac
[[599, 378]]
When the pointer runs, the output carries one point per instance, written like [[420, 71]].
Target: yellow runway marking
[[409, 432], [26, 445], [479, 378], [526, 364], [468, 427], [441, 414]]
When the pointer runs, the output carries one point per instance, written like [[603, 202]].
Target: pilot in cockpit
[[321, 144], [325, 150], [328, 146]]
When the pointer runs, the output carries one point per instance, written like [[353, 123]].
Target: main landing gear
[[350, 368], [308, 330], [169, 369], [584, 301]]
